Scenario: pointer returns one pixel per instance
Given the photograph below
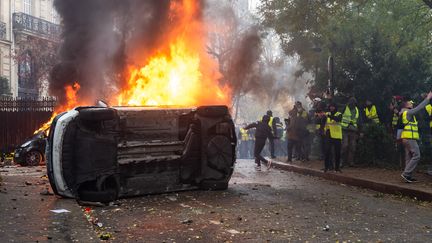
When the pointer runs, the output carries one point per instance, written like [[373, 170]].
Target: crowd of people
[[337, 128]]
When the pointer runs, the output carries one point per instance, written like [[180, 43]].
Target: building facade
[[21, 21]]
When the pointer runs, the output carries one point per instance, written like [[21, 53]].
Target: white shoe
[[269, 164]]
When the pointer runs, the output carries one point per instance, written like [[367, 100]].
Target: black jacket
[[263, 130]]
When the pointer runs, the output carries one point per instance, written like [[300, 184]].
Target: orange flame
[[181, 73], [71, 102]]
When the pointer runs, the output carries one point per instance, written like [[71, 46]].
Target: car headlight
[[26, 144]]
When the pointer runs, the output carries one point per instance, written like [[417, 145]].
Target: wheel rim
[[33, 158]]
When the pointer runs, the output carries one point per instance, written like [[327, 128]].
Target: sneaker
[[257, 167], [269, 164], [289, 161], [408, 179], [338, 170]]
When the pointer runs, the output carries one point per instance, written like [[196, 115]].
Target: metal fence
[[19, 118]]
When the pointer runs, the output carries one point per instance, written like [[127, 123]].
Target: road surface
[[274, 206]]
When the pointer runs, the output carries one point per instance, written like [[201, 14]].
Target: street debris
[[233, 231], [105, 236], [28, 183], [46, 192], [60, 211], [187, 221], [326, 228]]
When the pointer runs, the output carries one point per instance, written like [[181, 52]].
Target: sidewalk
[[381, 180]]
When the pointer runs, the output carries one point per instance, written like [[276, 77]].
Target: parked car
[[32, 151], [101, 154]]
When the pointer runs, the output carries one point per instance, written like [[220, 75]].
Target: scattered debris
[[233, 231], [187, 221], [60, 210], [326, 228], [215, 222], [105, 236], [28, 183], [172, 198], [46, 192]]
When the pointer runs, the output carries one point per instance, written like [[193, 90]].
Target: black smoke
[[102, 37]]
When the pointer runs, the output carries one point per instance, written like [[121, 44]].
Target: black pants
[[259, 145], [335, 145], [293, 144]]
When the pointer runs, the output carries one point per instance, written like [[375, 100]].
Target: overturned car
[[101, 154]]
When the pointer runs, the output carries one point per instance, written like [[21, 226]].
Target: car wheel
[[33, 158]]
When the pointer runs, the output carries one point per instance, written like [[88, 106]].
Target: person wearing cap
[[262, 133], [371, 113], [410, 134], [333, 138], [350, 123]]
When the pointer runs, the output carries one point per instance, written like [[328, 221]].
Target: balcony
[[36, 26], [2, 31]]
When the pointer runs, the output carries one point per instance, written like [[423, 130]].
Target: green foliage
[[4, 86], [380, 47], [376, 147]]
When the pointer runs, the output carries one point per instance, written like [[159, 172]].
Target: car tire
[[214, 185], [219, 154], [33, 158]]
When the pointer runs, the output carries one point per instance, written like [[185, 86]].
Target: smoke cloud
[[101, 38]]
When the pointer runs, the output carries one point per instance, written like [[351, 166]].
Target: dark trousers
[[293, 144], [272, 147], [259, 145], [335, 145]]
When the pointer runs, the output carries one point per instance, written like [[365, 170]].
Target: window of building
[[28, 6]]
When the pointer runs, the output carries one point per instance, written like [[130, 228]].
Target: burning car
[[32, 151], [101, 154]]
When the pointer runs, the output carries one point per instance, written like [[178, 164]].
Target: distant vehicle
[[101, 154], [32, 151]]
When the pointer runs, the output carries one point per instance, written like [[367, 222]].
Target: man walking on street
[[410, 135], [350, 119], [262, 133]]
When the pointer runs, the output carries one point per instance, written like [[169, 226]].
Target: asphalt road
[[273, 206]]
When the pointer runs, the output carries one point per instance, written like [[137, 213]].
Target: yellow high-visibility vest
[[410, 130], [270, 123], [372, 114], [244, 135], [429, 111], [334, 127], [395, 119], [346, 118]]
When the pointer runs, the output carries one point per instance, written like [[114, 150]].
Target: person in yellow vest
[[244, 142], [350, 123], [410, 134], [371, 113], [333, 138]]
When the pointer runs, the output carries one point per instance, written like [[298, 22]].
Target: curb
[[363, 183]]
